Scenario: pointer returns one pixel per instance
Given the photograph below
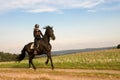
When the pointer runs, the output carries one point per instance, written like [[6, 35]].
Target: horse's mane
[[47, 27]]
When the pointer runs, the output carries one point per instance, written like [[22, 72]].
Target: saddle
[[33, 46]]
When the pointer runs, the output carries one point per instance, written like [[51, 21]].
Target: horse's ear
[[44, 28], [52, 27]]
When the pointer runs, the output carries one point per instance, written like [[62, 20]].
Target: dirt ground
[[57, 74]]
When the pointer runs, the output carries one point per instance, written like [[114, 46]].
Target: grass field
[[104, 59], [95, 65]]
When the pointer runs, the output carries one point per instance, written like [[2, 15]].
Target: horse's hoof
[[34, 68], [52, 68], [30, 68]]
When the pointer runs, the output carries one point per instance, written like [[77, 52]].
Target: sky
[[77, 24]]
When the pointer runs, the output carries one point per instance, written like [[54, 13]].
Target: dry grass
[[57, 74]]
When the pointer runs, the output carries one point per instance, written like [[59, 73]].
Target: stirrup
[[35, 52]]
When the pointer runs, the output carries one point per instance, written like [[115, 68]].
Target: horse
[[44, 47]]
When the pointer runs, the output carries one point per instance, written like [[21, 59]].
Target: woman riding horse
[[44, 48], [37, 37]]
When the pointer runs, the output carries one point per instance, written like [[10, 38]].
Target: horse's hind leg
[[47, 60], [31, 62]]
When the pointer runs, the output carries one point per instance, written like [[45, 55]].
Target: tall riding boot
[[35, 49], [35, 46], [35, 52]]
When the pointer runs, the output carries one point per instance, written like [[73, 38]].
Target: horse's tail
[[22, 55]]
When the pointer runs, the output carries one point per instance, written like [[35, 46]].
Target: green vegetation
[[104, 59], [7, 56]]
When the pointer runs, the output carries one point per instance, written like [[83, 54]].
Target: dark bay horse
[[43, 48]]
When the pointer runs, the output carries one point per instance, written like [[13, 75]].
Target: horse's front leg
[[49, 57], [51, 62]]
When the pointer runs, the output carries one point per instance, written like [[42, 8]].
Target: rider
[[37, 37]]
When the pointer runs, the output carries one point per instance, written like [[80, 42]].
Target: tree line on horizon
[[7, 57]]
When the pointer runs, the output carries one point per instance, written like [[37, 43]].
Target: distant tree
[[118, 46], [7, 57]]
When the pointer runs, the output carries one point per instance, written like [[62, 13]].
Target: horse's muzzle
[[53, 38]]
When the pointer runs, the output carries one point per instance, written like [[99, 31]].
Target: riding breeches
[[36, 43]]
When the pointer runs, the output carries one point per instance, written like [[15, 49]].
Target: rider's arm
[[41, 33]]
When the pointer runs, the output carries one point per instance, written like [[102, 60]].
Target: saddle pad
[[32, 46]]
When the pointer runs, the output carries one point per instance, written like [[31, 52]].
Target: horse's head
[[50, 32]]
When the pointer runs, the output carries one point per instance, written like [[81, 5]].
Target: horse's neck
[[46, 38]]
